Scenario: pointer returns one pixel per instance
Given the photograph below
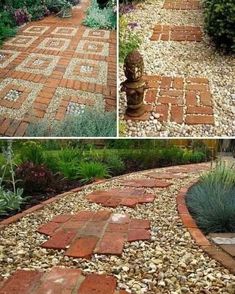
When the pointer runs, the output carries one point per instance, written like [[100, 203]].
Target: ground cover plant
[[211, 201], [92, 122], [220, 22], [101, 18], [41, 169]]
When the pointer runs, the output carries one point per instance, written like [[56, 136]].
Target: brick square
[[93, 47], [36, 30], [7, 56], [65, 31], [21, 41], [90, 232], [96, 34], [57, 44], [180, 100]]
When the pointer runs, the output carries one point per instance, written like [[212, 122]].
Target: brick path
[[54, 67], [116, 197], [180, 100], [182, 4], [176, 33], [89, 232], [146, 183], [59, 280]]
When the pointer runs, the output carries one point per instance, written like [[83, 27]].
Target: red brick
[[111, 243], [177, 113], [199, 119], [163, 111], [140, 234], [146, 198], [98, 284], [76, 225], [119, 219], [200, 110], [49, 228], [93, 228], [61, 218], [83, 216], [191, 98], [60, 240], [150, 96], [198, 236], [139, 224], [101, 215], [82, 247], [120, 228], [21, 282], [230, 249], [188, 221], [130, 202], [182, 209]]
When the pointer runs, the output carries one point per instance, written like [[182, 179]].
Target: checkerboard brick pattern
[[88, 232], [182, 4], [116, 197], [146, 183], [59, 280], [180, 100], [176, 33], [56, 54]]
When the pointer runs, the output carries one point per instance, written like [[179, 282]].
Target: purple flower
[[133, 25]]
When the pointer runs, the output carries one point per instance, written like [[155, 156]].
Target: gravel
[[182, 59], [170, 263]]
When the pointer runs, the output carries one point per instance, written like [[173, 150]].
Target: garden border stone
[[210, 248]]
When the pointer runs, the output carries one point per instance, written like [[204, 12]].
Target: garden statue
[[134, 85]]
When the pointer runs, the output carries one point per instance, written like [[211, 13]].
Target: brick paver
[[116, 197], [180, 100], [59, 280], [182, 4], [146, 183], [53, 68], [176, 33], [89, 232]]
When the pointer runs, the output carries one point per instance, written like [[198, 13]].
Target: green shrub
[[220, 22], [32, 151], [10, 201], [38, 12], [89, 171], [7, 26], [128, 40], [222, 173], [100, 18], [114, 162], [93, 122], [213, 207]]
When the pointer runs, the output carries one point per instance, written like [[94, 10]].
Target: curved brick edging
[[210, 248]]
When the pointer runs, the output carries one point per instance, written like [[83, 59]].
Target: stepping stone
[[180, 100], [89, 232], [146, 183], [116, 197], [59, 280], [226, 241], [167, 176], [182, 4], [176, 33]]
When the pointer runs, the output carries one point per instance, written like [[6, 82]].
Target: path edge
[[201, 240]]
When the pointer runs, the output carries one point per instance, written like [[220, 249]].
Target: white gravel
[[182, 59]]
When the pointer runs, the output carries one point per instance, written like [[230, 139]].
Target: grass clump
[[89, 171], [212, 200]]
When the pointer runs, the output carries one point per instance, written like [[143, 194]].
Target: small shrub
[[128, 40], [7, 26], [89, 171], [213, 207], [220, 22], [100, 18], [115, 164], [34, 178], [38, 12], [93, 122], [32, 151], [222, 173], [10, 201], [21, 16]]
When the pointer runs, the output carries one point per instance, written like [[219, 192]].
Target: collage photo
[[117, 146]]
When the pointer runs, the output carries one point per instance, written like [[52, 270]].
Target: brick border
[[210, 248]]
